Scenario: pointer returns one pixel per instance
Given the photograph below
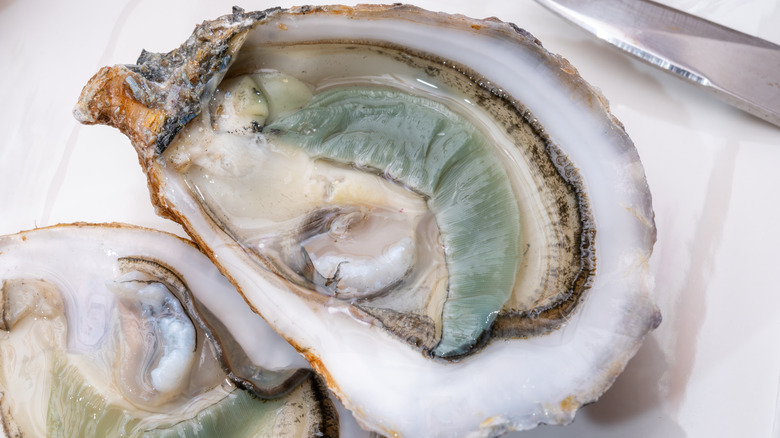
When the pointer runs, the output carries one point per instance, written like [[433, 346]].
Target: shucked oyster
[[441, 215], [100, 337]]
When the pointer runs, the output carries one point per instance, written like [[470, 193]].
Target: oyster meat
[[442, 216], [101, 337]]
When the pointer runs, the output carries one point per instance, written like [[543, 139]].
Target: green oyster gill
[[422, 144]]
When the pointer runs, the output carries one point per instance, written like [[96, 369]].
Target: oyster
[[443, 217], [101, 338]]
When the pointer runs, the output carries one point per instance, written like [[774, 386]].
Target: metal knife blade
[[740, 69]]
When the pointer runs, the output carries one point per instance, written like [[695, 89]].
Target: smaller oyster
[[100, 337]]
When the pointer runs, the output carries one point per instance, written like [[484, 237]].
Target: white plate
[[711, 369]]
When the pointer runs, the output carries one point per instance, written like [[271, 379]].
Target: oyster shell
[[507, 213], [102, 338]]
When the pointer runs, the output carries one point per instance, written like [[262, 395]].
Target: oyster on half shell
[[119, 331], [443, 217]]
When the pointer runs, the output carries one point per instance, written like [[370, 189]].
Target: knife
[[740, 69]]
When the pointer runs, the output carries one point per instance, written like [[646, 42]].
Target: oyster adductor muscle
[[407, 194], [102, 335]]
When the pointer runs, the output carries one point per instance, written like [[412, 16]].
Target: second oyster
[[100, 337]]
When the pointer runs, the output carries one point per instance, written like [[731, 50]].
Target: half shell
[[116, 331], [491, 359]]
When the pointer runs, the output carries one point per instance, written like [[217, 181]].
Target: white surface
[[711, 369]]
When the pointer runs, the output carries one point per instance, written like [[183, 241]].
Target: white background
[[710, 370]]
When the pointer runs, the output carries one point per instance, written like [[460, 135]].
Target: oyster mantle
[[165, 100]]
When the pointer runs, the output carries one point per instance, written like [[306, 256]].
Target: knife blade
[[738, 68]]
